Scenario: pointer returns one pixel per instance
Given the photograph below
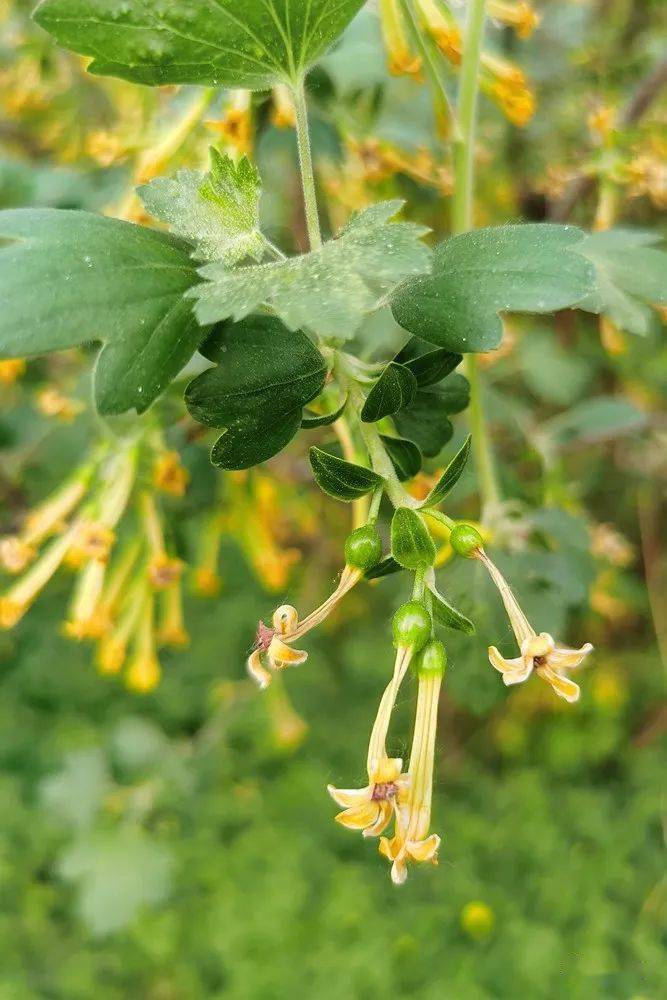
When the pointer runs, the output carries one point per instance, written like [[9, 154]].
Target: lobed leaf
[[329, 290], [225, 43], [70, 278], [477, 275], [217, 211], [265, 376]]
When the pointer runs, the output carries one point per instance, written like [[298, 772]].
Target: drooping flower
[[538, 652], [172, 631], [521, 16], [143, 671], [169, 475], [163, 569], [282, 110], [411, 840], [402, 59]]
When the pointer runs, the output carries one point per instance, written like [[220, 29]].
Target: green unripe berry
[[363, 547], [432, 660], [412, 625], [465, 540]]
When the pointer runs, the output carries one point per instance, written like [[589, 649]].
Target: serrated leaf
[[217, 211], [386, 567], [265, 376], [426, 420], [411, 544], [252, 44], [70, 277], [477, 275], [405, 456], [341, 480], [427, 365], [450, 476], [329, 290], [631, 275], [309, 422], [446, 614], [395, 388]]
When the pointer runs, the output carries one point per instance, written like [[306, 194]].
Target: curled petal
[[399, 871], [514, 671], [281, 655], [563, 686], [388, 770], [389, 847], [260, 676], [285, 619], [348, 798], [424, 850], [567, 659], [382, 821], [359, 817]]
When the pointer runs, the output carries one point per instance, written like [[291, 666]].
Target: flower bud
[[363, 547], [411, 625], [465, 540], [432, 660]]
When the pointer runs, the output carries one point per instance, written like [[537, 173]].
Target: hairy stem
[[462, 220], [306, 167]]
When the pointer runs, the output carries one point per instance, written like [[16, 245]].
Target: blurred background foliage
[[181, 845]]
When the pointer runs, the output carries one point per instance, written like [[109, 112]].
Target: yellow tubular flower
[[508, 87], [83, 621], [370, 808], [520, 16], [206, 579], [235, 126], [411, 840], [112, 648], [11, 370], [282, 111], [442, 28], [402, 61], [169, 475], [163, 570], [143, 671], [172, 630], [271, 644], [538, 652], [19, 597], [116, 581]]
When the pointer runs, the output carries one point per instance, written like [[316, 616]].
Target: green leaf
[[450, 476], [477, 275], [426, 421], [265, 376], [395, 388], [329, 290], [76, 793], [224, 43], [117, 873], [341, 480], [309, 422], [405, 456], [592, 420], [411, 544], [386, 567], [631, 275], [446, 614], [428, 366], [217, 211], [69, 278]]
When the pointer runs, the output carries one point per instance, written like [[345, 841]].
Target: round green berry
[[363, 547], [432, 659], [412, 625], [465, 540]]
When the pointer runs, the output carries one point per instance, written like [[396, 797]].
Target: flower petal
[[260, 676], [388, 770], [498, 661], [348, 798], [424, 850], [281, 655], [563, 686], [381, 823], [359, 817], [399, 871], [566, 659]]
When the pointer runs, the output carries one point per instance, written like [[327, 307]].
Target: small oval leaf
[[405, 456], [450, 476], [309, 422], [395, 388], [411, 544], [446, 614], [341, 480], [386, 567]]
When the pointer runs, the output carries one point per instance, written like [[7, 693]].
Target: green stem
[[462, 221], [306, 166]]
